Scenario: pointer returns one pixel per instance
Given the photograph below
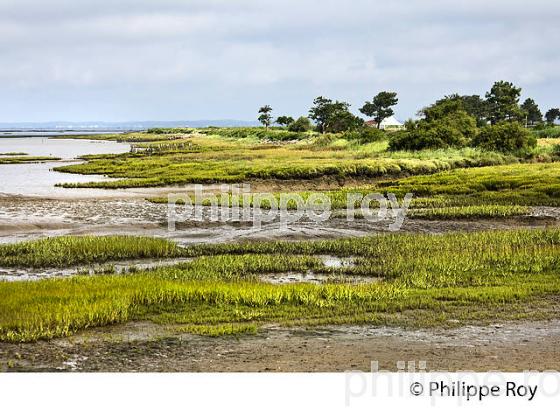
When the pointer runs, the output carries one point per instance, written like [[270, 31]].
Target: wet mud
[[145, 347]]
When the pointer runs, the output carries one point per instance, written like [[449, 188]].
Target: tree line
[[494, 121], [333, 116]]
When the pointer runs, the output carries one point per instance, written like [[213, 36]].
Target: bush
[[455, 129], [505, 137], [302, 124]]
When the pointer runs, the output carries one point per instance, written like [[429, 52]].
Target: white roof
[[390, 121]]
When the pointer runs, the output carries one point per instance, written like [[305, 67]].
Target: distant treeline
[[497, 122]]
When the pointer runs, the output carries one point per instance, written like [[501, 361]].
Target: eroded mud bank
[[147, 347], [23, 219]]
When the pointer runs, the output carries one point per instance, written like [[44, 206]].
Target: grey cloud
[[201, 59]]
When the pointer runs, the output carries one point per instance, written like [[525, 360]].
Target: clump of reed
[[66, 251]]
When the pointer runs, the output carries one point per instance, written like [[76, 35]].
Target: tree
[[476, 107], [265, 116], [472, 104], [503, 102], [321, 112], [333, 116], [284, 120], [442, 108], [343, 120], [380, 107], [302, 124], [551, 115], [533, 114]]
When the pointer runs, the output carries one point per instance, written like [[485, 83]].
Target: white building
[[391, 124]]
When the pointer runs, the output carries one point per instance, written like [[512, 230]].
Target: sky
[[131, 60]]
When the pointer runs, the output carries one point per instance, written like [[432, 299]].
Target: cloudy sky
[[85, 60]]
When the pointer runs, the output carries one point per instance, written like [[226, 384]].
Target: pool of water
[[39, 179]]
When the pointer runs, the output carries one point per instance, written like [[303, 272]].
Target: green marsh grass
[[66, 251], [200, 158], [219, 330], [23, 159], [426, 280], [534, 184], [468, 212], [497, 191]]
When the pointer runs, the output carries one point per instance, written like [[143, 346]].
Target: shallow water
[[39, 180], [61, 148], [317, 278], [25, 274]]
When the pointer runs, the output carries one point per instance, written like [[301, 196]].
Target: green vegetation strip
[[519, 184], [426, 280], [513, 186], [25, 159], [469, 212], [78, 250], [197, 158], [485, 192]]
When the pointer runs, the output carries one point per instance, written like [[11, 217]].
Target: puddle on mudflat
[[21, 274], [329, 261], [318, 278], [337, 262]]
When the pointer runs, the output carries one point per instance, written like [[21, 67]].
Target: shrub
[[455, 129], [505, 137], [302, 124]]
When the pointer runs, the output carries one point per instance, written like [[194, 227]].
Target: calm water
[[39, 179]]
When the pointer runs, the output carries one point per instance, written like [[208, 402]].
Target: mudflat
[[143, 346]]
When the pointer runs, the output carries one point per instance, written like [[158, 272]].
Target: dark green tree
[[333, 116], [380, 107], [302, 124], [442, 108], [265, 116], [503, 102], [551, 115], [284, 120], [344, 120], [321, 112], [474, 106], [533, 114]]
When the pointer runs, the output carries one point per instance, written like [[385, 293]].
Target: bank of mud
[[23, 219], [145, 347]]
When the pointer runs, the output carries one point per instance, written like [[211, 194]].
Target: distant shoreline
[[55, 133]]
